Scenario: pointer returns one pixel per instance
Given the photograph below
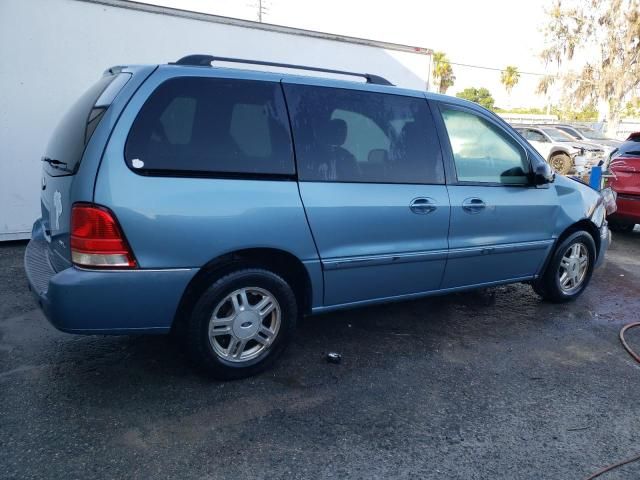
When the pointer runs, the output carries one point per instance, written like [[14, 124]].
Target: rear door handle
[[423, 205], [473, 205]]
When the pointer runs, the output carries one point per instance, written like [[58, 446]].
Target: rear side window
[[355, 136], [75, 129], [569, 131], [482, 153], [212, 125]]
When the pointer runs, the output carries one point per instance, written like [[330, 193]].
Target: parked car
[[224, 203], [564, 153], [634, 137], [586, 134], [625, 181]]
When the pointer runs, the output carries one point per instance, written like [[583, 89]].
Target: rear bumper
[[104, 301], [628, 208]]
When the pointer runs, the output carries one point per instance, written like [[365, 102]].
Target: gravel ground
[[492, 384]]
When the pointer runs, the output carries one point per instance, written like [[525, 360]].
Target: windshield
[[592, 134], [558, 135]]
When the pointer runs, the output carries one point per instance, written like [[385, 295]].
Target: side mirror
[[543, 174]]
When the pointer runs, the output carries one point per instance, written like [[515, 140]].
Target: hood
[[607, 143], [589, 146]]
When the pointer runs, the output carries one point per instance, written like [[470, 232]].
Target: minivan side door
[[501, 224], [371, 179]]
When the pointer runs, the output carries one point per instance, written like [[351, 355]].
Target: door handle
[[422, 205], [473, 205]]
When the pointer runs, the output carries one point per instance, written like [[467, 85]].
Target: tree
[[601, 38], [442, 72], [481, 96], [632, 108], [509, 78]]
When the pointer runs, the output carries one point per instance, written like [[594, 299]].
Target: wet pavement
[[492, 384]]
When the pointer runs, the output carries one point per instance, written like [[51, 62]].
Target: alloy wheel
[[573, 268], [244, 324]]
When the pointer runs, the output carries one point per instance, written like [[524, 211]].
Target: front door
[[372, 183], [501, 225]]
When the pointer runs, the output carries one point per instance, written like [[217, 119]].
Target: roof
[[307, 79]]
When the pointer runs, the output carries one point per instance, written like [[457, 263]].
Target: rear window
[[212, 125], [76, 127]]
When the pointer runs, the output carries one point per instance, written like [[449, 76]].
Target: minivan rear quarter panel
[[195, 220]]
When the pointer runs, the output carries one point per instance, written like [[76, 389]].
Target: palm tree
[[509, 78], [442, 72]]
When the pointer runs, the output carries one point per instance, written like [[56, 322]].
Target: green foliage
[[586, 114], [442, 72], [597, 41], [523, 110], [632, 108], [509, 78], [481, 96]]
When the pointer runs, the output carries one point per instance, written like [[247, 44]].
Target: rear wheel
[[242, 323], [570, 269], [561, 163]]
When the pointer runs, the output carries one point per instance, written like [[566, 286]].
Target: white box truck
[[53, 50]]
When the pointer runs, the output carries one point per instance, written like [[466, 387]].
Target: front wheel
[[242, 323], [570, 269], [561, 163]]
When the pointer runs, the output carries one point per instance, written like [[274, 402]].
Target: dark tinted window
[[354, 136], [76, 127], [630, 147], [214, 125]]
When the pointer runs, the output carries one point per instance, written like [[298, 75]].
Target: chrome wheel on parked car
[[573, 268], [244, 324]]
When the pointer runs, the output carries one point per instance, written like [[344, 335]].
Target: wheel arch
[[280, 262], [581, 225], [558, 151]]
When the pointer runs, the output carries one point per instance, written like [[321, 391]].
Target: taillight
[[97, 240]]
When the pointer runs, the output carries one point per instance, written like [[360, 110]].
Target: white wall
[[52, 50]]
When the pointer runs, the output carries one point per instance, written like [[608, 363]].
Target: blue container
[[595, 180]]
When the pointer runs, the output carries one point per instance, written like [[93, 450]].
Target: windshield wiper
[[56, 163]]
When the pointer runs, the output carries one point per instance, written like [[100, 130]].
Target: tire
[[621, 227], [550, 287], [561, 162], [236, 318]]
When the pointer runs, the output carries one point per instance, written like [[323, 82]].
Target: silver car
[[562, 152], [585, 134]]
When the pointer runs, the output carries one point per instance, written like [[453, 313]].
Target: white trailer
[[53, 50]]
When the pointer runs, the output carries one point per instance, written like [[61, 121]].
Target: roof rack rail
[[205, 61]]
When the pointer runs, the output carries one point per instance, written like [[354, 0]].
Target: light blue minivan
[[225, 203]]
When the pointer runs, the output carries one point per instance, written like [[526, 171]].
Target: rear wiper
[[56, 163]]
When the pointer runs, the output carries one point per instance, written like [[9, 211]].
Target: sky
[[489, 33]]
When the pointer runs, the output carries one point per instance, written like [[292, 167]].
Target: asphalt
[[492, 384]]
